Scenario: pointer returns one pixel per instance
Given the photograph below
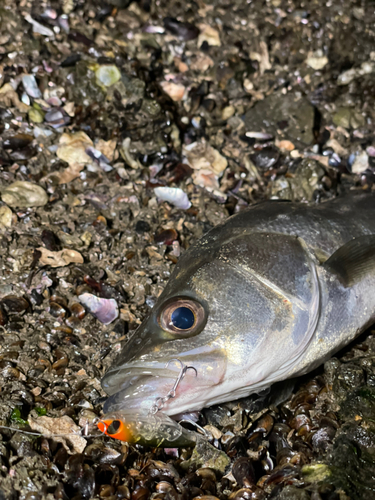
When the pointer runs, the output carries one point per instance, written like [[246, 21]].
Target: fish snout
[[176, 386]]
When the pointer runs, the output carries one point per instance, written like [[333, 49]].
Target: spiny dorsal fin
[[353, 261]]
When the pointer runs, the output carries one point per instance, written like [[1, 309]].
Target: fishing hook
[[161, 401]]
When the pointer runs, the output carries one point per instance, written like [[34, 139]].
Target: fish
[[268, 295]]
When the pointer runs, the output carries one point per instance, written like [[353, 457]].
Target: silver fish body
[[274, 291]]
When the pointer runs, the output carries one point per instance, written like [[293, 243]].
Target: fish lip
[[135, 373], [138, 392]]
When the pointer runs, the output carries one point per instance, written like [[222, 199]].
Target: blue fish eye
[[183, 318]]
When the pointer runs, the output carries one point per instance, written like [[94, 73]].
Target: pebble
[[24, 194], [317, 61], [35, 115], [360, 163], [107, 75], [6, 215]]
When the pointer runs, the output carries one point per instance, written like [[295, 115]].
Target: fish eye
[[185, 317], [114, 427]]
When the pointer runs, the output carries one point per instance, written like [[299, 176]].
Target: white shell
[[175, 196]]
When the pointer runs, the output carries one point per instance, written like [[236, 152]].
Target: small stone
[[105, 310], [35, 115], [142, 226], [24, 194], [342, 117], [227, 112], [107, 75], [285, 145], [360, 163], [72, 148], [184, 31], [209, 35], [175, 91], [317, 61], [201, 155], [266, 157], [6, 216], [316, 472]]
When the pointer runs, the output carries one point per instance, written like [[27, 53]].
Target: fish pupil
[[183, 318], [114, 427]]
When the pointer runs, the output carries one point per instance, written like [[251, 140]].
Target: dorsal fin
[[353, 261]]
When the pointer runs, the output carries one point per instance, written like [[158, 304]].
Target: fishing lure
[[146, 429]]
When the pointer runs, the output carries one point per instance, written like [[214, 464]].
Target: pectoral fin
[[353, 261]]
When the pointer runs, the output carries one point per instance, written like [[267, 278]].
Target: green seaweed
[[16, 417]]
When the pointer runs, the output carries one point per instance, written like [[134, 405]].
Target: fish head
[[235, 312]]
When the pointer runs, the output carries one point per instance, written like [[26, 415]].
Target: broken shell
[[175, 196], [105, 310], [59, 259], [31, 86], [201, 155], [166, 237]]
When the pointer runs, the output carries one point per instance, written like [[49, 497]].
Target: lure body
[[157, 430], [268, 295]]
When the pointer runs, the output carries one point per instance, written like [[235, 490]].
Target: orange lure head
[[116, 428]]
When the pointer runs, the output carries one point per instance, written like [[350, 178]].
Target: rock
[[302, 185], [286, 116], [62, 429], [24, 194], [205, 455]]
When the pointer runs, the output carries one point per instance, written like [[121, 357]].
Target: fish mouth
[[132, 387]]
